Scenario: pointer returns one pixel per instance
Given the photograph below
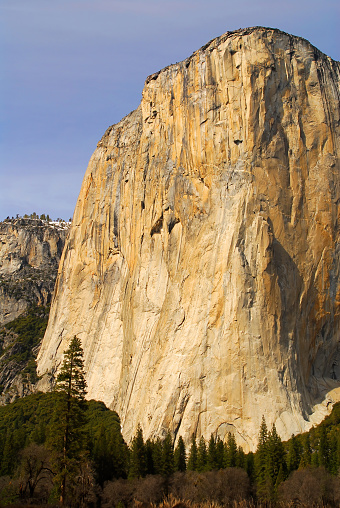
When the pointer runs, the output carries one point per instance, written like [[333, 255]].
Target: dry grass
[[173, 502]]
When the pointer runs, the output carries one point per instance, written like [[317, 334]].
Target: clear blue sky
[[69, 69]]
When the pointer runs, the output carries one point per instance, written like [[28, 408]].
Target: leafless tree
[[311, 487], [34, 472]]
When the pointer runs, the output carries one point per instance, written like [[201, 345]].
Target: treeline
[[36, 216], [60, 447], [161, 457], [27, 431], [304, 469]]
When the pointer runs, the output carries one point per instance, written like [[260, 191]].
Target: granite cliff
[[202, 267], [30, 251]]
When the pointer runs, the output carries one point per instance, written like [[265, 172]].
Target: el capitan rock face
[[202, 267]]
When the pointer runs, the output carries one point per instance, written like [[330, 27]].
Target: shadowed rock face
[[202, 267], [30, 252]]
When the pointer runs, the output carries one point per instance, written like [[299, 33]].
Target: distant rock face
[[19, 344], [202, 267], [30, 252]]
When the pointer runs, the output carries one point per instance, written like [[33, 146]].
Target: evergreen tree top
[[71, 378], [263, 435]]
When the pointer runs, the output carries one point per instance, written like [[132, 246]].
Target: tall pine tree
[[261, 458], [168, 456], [138, 459], [276, 468], [219, 453], [202, 456], [157, 456], [67, 436], [294, 454], [192, 461], [323, 448], [212, 463], [230, 451], [180, 455], [306, 452]]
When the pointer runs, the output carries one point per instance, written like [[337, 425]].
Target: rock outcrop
[[19, 345], [30, 251], [202, 267]]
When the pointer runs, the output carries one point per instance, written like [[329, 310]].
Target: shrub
[[311, 487], [223, 486]]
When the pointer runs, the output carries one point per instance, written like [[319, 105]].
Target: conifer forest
[[60, 449]]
